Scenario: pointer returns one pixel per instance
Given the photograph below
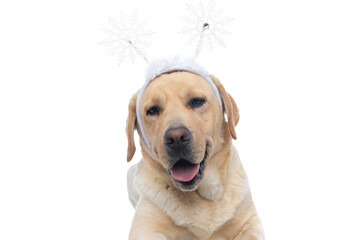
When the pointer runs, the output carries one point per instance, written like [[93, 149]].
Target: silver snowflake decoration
[[127, 37], [205, 25]]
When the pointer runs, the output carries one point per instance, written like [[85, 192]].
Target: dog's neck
[[212, 186]]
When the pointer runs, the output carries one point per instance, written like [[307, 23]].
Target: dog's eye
[[153, 111], [196, 102]]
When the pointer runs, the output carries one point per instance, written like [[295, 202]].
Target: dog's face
[[184, 122], [182, 119]]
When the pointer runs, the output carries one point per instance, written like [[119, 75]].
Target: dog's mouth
[[187, 173]]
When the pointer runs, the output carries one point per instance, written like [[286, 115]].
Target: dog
[[190, 183]]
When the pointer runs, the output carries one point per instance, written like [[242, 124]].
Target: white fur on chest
[[201, 212], [211, 188]]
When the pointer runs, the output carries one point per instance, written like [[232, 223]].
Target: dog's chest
[[200, 216]]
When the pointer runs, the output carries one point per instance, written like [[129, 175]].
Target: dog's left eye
[[196, 102], [155, 110]]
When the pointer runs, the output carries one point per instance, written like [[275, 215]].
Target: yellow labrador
[[190, 183]]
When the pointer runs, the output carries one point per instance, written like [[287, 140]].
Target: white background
[[292, 67]]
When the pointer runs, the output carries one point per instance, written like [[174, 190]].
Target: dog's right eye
[[196, 102], [153, 111]]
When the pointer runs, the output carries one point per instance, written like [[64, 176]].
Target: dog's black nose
[[177, 138]]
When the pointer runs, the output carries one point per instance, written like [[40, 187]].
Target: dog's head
[[184, 124]]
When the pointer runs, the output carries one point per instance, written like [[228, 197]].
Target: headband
[[127, 38], [157, 68]]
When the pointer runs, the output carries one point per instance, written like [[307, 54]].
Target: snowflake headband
[[127, 38], [158, 68]]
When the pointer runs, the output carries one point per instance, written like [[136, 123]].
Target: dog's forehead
[[177, 82]]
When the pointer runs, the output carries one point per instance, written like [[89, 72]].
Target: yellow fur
[[220, 207]]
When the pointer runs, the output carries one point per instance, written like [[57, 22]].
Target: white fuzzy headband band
[[158, 68]]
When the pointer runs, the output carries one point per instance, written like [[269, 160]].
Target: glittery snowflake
[[205, 25], [127, 38]]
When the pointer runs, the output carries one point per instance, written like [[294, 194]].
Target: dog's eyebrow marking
[[155, 100], [195, 93]]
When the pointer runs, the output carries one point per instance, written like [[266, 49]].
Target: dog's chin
[[186, 175]]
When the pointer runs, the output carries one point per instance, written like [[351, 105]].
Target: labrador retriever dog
[[190, 183]]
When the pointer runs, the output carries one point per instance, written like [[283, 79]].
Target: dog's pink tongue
[[184, 172]]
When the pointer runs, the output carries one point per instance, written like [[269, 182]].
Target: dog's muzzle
[[177, 140], [185, 171]]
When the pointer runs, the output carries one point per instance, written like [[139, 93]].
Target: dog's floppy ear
[[130, 127], [230, 106]]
